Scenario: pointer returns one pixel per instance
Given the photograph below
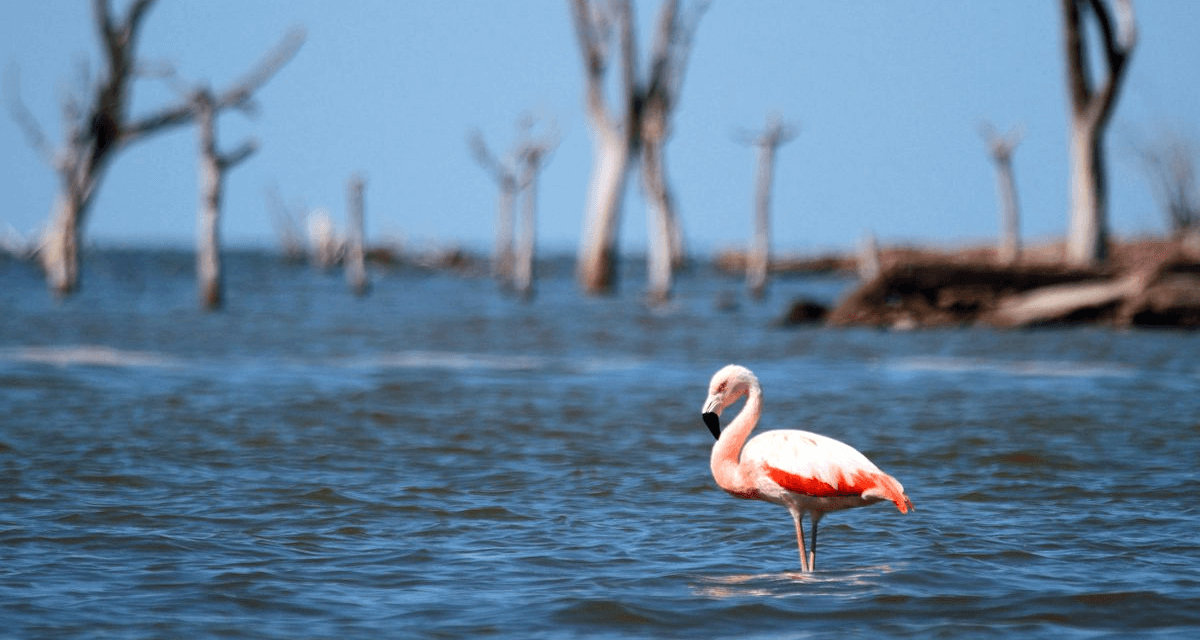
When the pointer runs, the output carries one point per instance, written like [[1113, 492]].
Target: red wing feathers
[[841, 486]]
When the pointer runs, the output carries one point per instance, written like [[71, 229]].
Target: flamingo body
[[803, 471]]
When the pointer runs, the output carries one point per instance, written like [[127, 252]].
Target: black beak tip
[[713, 422]]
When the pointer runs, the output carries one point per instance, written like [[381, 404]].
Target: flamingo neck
[[727, 452]]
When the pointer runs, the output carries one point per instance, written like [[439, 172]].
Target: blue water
[[440, 461]]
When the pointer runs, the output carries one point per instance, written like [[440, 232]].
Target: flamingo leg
[[812, 552], [804, 566]]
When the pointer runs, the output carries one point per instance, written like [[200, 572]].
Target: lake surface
[[440, 461]]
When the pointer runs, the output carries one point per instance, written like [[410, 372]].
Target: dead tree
[[325, 246], [96, 124], [533, 153], [356, 270], [516, 176], [622, 133], [1091, 107], [287, 226], [213, 165], [1169, 163], [758, 258], [505, 175], [526, 254], [1001, 148]]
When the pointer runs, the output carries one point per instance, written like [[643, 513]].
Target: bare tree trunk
[[1090, 110], [504, 174], [208, 249], [59, 252], [356, 270], [758, 259], [1008, 249], [660, 224], [502, 255], [526, 254], [597, 263], [213, 165], [1010, 243]]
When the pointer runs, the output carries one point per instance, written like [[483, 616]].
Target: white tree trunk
[[356, 270], [1009, 248], [208, 241], [597, 269], [759, 257], [1087, 236], [1091, 106], [526, 254], [502, 255], [59, 253], [660, 228]]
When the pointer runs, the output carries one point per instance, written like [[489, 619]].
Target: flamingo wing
[[819, 466]]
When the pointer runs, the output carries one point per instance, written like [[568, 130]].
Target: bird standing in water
[[803, 471]]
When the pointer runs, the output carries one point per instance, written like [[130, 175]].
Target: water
[[438, 461]]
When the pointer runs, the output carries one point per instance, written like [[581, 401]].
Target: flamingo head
[[727, 386]]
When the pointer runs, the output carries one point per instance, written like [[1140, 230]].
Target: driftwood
[[1160, 286]]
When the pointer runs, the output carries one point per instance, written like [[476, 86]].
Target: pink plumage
[[803, 471]]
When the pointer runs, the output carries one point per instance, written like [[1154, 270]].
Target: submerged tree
[[505, 175], [1001, 147], [516, 176], [1169, 162], [213, 165], [1091, 107], [639, 122], [96, 124], [356, 269], [758, 259]]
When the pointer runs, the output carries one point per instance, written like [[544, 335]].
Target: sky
[[887, 97]]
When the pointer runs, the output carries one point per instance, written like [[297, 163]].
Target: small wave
[[91, 355], [1031, 368], [785, 584], [464, 361]]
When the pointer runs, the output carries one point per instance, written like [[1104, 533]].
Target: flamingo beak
[[711, 413], [713, 422]]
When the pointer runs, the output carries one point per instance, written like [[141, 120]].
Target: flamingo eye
[[721, 387]]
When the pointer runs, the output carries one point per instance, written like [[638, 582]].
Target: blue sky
[[888, 98]]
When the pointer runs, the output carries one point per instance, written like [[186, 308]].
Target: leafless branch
[[673, 46], [241, 91], [1001, 146], [24, 118], [593, 28], [776, 133], [229, 160], [501, 173], [238, 95], [1169, 162]]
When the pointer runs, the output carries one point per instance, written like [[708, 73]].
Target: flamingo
[[803, 471]]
